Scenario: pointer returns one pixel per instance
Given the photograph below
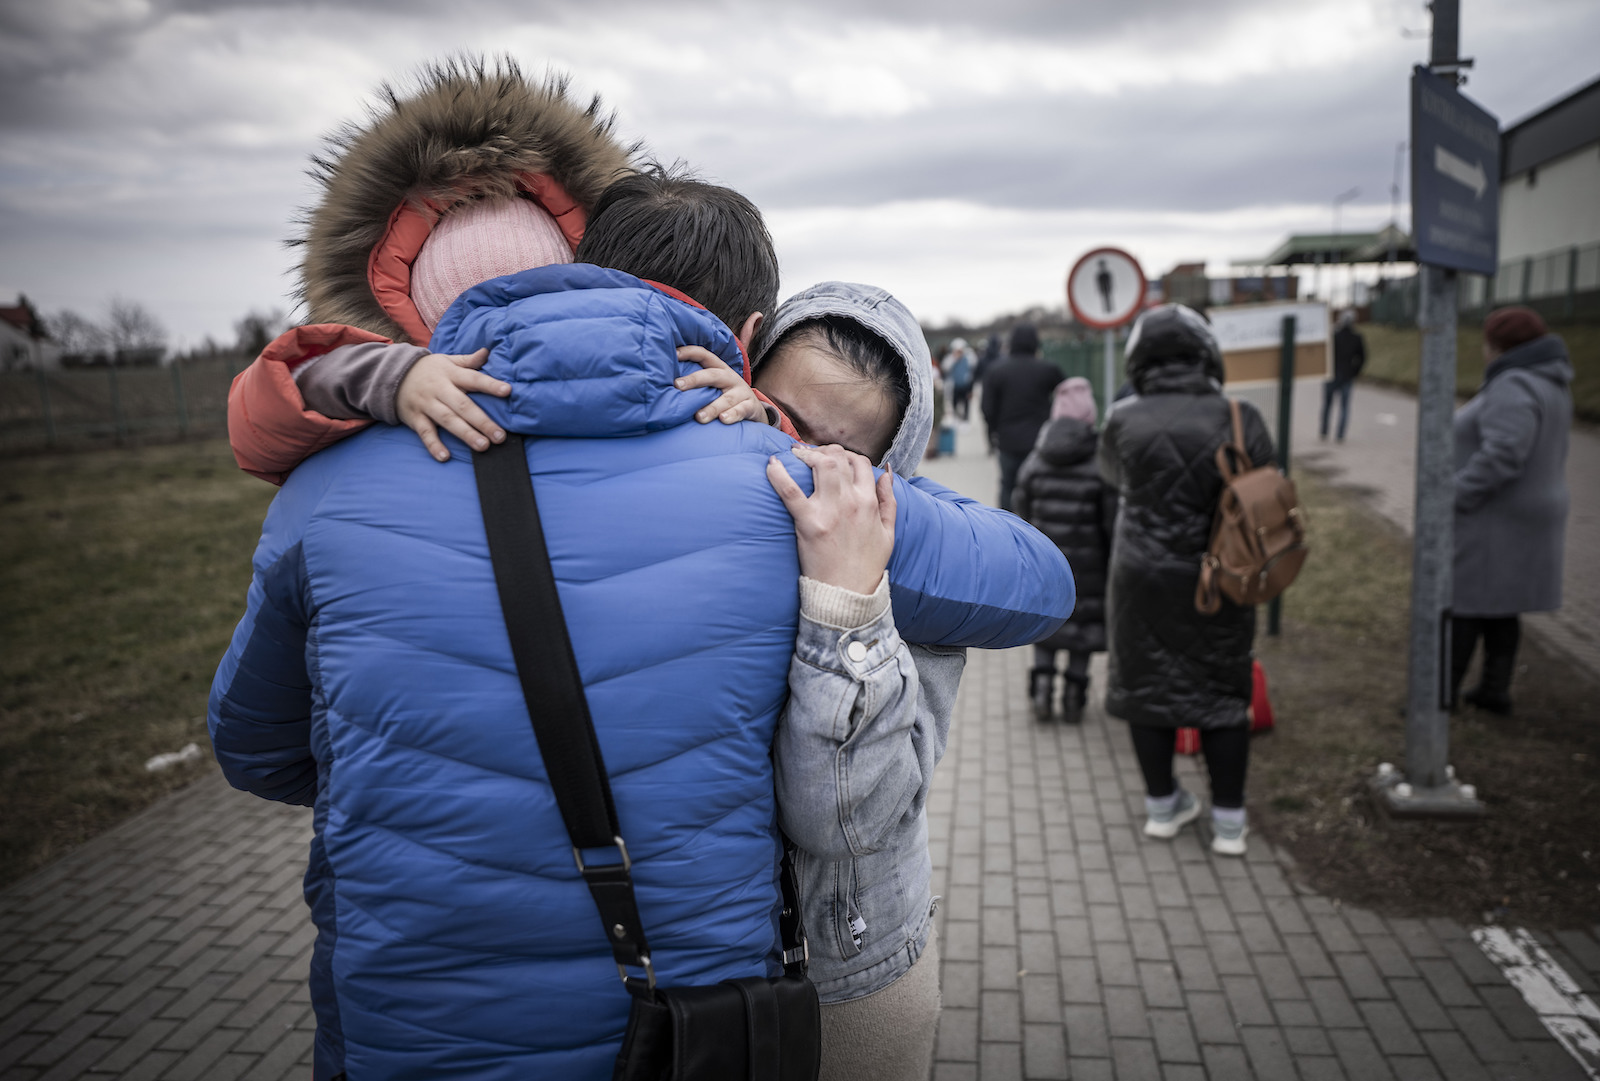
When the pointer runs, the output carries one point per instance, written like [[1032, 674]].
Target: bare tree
[[79, 338], [257, 329], [135, 335]]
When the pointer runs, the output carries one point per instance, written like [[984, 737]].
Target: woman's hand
[[433, 395], [845, 530], [738, 401]]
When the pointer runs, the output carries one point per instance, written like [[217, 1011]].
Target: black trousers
[[1077, 662], [1501, 636], [1227, 752], [1009, 465]]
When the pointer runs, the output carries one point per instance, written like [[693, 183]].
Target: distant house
[[24, 341]]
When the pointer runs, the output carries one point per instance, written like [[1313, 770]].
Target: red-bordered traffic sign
[[1106, 288]]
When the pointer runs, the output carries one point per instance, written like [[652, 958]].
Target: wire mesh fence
[[1561, 284], [41, 409], [1087, 358]]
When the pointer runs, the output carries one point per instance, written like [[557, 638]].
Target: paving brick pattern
[[1076, 948], [177, 945]]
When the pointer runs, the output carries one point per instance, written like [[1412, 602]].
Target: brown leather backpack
[[1258, 539]]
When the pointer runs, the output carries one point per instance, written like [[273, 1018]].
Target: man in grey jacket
[[1511, 498]]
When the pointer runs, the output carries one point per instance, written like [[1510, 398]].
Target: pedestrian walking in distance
[[958, 367], [1511, 498], [1349, 357], [1171, 666], [1060, 492], [1016, 403]]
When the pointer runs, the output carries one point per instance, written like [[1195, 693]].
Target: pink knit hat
[[479, 241], [1074, 399]]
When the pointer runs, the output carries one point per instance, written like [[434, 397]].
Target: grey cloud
[[102, 153], [1199, 149]]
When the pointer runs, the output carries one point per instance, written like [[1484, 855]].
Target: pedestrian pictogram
[[1106, 288]]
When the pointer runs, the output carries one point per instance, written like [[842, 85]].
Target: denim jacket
[[866, 723]]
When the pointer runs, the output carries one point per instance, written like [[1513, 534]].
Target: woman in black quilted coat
[[1170, 666], [1060, 493]]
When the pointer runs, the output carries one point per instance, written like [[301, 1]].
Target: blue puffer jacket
[[371, 676]]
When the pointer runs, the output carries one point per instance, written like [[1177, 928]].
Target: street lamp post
[[1338, 201]]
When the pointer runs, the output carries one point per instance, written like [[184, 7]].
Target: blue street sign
[[1455, 177]]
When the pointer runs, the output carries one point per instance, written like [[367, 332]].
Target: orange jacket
[[269, 427]]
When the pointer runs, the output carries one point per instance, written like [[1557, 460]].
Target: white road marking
[[1570, 1015]]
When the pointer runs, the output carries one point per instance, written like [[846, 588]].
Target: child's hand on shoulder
[[738, 401], [433, 395]]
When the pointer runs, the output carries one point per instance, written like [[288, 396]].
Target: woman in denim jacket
[[868, 714]]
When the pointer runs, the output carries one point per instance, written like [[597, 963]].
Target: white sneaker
[[1228, 839], [1166, 826]]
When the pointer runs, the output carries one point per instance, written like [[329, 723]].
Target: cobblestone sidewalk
[[177, 945], [1076, 948]]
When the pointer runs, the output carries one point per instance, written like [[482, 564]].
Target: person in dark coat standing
[[1170, 666], [1016, 403], [1060, 493], [1511, 498], [1349, 357]]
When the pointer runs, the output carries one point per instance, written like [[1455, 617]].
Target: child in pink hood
[[1059, 491]]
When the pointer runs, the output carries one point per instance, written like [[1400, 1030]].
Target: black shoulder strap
[[553, 691], [558, 708]]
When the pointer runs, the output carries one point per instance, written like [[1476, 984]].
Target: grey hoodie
[[866, 723], [892, 321]]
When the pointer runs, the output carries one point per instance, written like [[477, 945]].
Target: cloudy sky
[[960, 154]]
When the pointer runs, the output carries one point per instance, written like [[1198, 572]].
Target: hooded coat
[[1016, 401], [1511, 483], [371, 677], [1171, 666], [878, 311], [1060, 492], [466, 131]]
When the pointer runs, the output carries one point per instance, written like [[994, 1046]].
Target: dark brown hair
[[663, 225]]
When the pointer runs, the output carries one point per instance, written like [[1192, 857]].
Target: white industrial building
[[1550, 206]]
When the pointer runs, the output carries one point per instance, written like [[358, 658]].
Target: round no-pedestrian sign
[[1106, 288]]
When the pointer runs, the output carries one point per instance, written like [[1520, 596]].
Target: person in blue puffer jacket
[[367, 677]]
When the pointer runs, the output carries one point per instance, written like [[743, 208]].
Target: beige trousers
[[888, 1035]]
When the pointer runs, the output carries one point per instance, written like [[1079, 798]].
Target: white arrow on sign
[[1458, 170]]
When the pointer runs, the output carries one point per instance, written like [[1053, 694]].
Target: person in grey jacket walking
[[1511, 498]]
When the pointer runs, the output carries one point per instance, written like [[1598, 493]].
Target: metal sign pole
[[1285, 411], [1427, 692], [1110, 372], [1428, 787]]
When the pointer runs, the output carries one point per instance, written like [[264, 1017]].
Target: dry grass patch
[[1393, 354], [124, 573], [1338, 677]]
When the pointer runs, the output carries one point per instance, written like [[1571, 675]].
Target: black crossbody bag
[[752, 1029]]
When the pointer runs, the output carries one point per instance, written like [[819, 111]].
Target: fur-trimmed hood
[[469, 129]]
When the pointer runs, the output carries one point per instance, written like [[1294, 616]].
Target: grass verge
[[1393, 354], [1338, 680], [124, 572]]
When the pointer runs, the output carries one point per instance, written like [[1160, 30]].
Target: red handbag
[[1261, 719], [1260, 703]]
